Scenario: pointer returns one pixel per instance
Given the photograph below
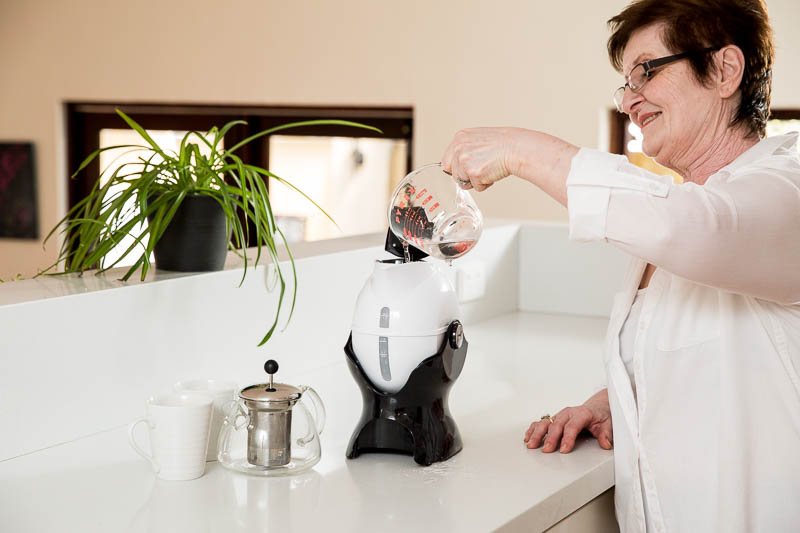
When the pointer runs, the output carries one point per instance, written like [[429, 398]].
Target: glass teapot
[[269, 430]]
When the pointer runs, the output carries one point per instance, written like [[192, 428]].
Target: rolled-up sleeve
[[592, 177], [739, 232]]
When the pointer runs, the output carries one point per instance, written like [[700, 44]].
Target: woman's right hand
[[560, 434], [478, 157]]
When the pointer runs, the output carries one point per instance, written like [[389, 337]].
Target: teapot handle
[[235, 414], [319, 409]]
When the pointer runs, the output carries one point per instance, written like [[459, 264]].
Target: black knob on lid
[[270, 367]]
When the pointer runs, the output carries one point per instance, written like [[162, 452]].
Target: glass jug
[[429, 211], [269, 430]]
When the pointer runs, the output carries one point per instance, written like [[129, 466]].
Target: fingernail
[[563, 448]]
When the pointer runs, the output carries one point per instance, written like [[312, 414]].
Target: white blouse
[[627, 336], [712, 439]]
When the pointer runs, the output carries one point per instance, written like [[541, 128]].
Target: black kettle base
[[416, 419]]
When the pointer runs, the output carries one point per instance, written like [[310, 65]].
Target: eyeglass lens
[[619, 94], [637, 77], [636, 80]]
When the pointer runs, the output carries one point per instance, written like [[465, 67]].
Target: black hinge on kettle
[[395, 247]]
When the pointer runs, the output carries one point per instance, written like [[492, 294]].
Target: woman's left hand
[[478, 157]]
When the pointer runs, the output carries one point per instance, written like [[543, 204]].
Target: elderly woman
[[703, 346]]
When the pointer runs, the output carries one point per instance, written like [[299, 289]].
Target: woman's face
[[674, 111]]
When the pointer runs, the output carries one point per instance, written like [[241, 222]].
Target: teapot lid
[[271, 392]]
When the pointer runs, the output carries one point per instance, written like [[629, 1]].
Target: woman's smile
[[648, 118]]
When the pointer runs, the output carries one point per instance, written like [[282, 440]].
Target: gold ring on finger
[[547, 417]]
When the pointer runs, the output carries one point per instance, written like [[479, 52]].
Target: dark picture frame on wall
[[18, 206]]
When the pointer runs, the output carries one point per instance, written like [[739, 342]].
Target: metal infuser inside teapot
[[269, 440], [270, 431]]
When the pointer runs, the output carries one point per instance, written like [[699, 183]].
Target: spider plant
[[140, 198]]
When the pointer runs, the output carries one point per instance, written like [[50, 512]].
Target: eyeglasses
[[641, 73]]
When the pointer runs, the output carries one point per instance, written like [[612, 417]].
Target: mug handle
[[319, 409], [137, 448]]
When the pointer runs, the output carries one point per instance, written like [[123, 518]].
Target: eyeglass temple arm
[[655, 63]]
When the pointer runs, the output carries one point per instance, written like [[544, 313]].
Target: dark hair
[[696, 24]]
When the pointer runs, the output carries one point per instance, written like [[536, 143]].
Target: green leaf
[[288, 184], [141, 131], [94, 154]]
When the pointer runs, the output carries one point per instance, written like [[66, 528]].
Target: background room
[[83, 355], [454, 64]]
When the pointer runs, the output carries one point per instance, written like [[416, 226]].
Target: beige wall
[[459, 63]]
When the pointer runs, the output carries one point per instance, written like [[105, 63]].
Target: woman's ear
[[730, 69]]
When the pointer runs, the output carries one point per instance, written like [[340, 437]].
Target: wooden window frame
[[84, 120]]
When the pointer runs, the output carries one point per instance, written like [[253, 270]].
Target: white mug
[[220, 392], [179, 425]]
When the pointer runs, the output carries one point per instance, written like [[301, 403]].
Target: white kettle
[[400, 319]]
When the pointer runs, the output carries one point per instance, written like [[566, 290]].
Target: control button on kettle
[[456, 335]]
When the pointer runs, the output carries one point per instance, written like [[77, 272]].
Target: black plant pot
[[195, 239]]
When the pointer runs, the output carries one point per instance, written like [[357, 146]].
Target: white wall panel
[[79, 357], [561, 276]]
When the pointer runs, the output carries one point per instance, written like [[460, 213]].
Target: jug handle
[[319, 409]]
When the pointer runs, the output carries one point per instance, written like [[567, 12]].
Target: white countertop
[[518, 367]]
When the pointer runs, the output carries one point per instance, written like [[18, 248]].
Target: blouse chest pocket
[[690, 316]]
